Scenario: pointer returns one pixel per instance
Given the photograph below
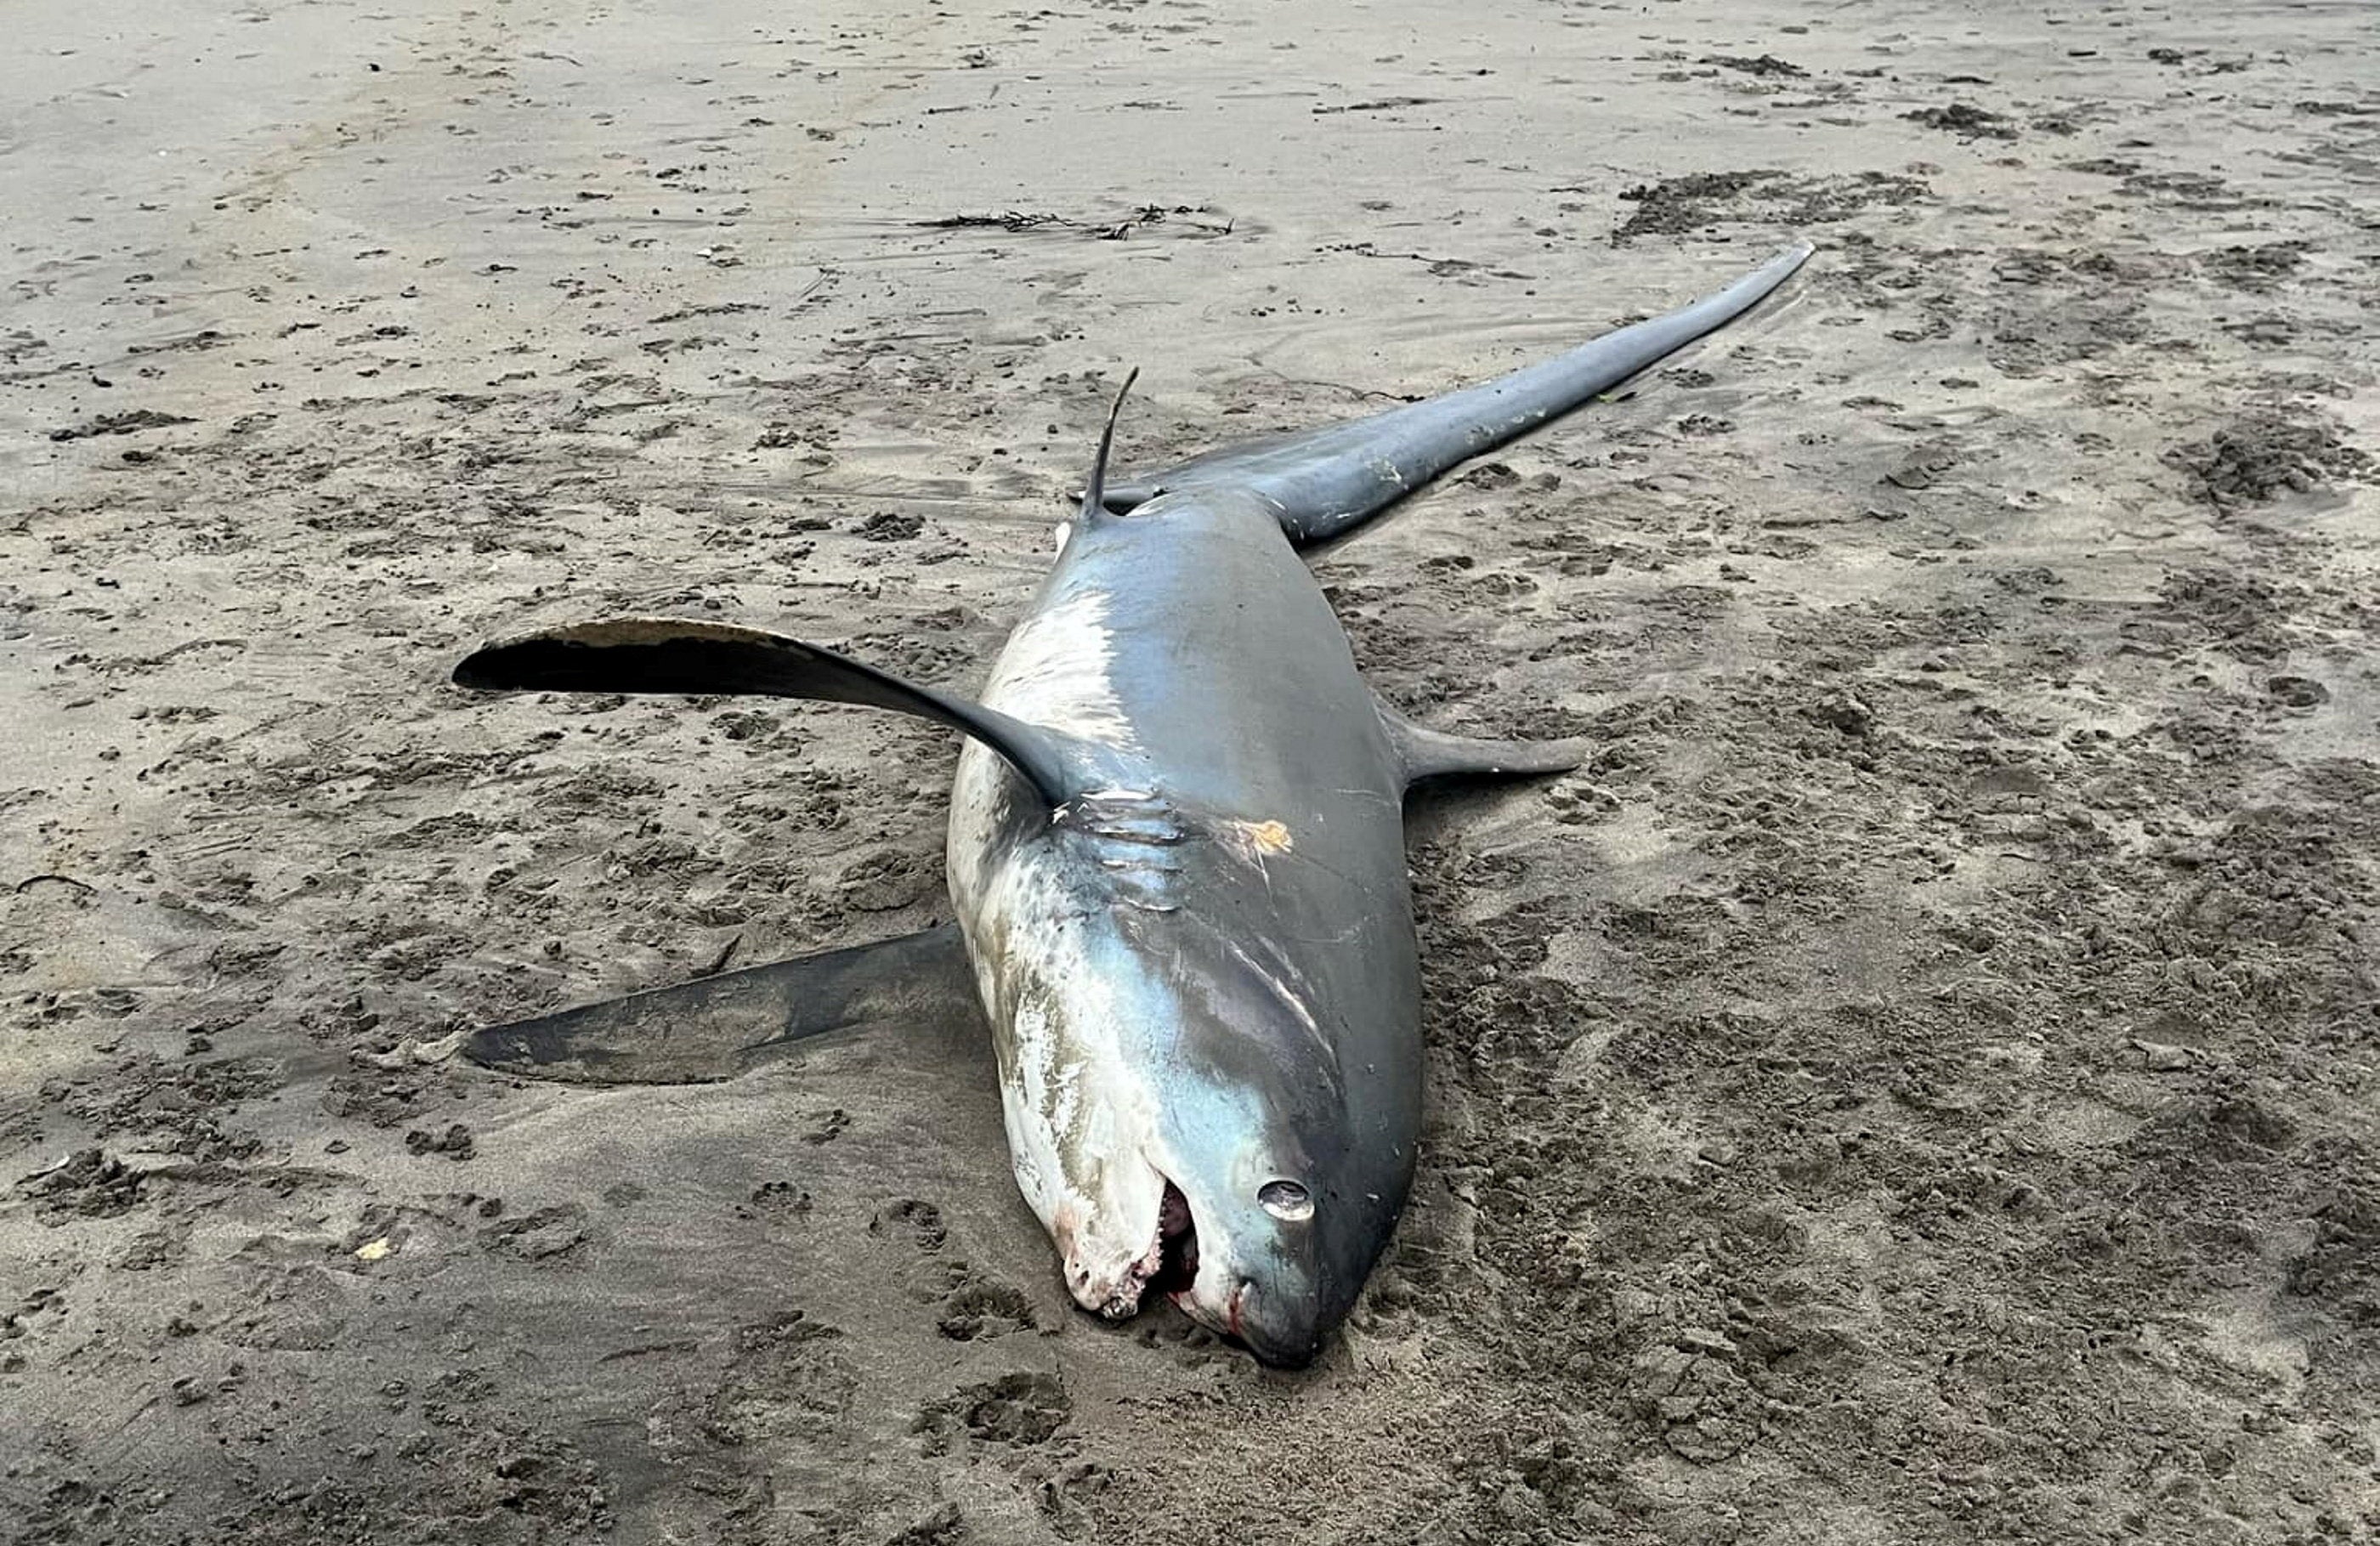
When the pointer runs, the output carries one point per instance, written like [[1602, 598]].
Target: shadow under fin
[[715, 1027]]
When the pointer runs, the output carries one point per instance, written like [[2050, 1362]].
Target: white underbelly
[[1079, 1114]]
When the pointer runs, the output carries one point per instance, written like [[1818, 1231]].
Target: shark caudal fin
[[1331, 479]]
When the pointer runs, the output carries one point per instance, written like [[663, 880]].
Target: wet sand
[[1917, 1084]]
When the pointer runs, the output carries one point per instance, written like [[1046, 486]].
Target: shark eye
[[1286, 1199]]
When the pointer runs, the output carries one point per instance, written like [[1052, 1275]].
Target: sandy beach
[[1921, 1082]]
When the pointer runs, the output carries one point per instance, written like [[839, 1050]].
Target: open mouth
[[1177, 1243], [1176, 1253], [1170, 1266]]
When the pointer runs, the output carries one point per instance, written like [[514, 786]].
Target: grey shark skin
[[1176, 850], [1201, 971]]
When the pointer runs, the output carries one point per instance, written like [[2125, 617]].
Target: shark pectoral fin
[[1429, 754], [716, 1028], [669, 655]]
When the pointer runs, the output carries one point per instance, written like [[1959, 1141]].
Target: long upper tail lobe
[[1330, 480]]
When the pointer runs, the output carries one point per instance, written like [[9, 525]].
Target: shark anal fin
[[668, 654], [1430, 754], [715, 1027]]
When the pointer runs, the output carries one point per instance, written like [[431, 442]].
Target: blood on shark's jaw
[[1258, 1255], [1279, 1320]]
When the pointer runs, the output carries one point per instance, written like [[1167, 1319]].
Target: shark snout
[[1281, 1330], [1284, 1335]]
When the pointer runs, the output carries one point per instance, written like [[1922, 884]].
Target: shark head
[[1178, 1117]]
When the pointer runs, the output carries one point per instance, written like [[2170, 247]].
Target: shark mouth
[[1177, 1243], [1170, 1266]]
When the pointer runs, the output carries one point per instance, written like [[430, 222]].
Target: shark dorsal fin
[[1095, 492]]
